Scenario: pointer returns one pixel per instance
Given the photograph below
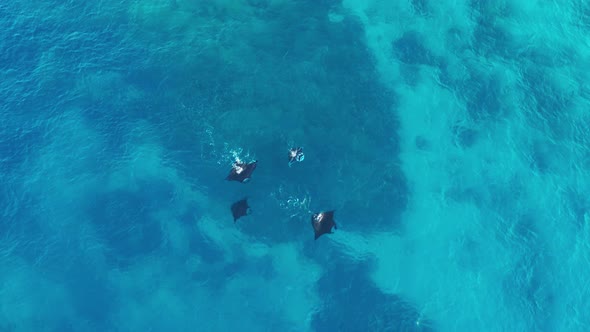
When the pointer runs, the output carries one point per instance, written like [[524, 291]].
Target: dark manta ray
[[241, 172], [322, 223], [240, 209]]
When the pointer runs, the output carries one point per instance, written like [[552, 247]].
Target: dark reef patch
[[90, 290], [422, 143], [421, 7], [465, 137], [372, 309], [529, 289], [483, 96], [410, 49], [548, 106], [126, 221]]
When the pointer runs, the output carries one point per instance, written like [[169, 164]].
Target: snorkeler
[[296, 155]]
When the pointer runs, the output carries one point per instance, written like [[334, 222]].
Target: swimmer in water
[[296, 155]]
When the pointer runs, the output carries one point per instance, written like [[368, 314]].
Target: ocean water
[[452, 138]]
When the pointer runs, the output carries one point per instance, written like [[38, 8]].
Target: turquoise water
[[451, 137]]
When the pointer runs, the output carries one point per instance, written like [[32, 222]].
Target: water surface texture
[[451, 137]]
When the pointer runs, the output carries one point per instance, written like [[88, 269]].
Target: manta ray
[[322, 223], [240, 209], [241, 172]]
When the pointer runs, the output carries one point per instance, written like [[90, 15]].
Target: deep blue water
[[451, 138]]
